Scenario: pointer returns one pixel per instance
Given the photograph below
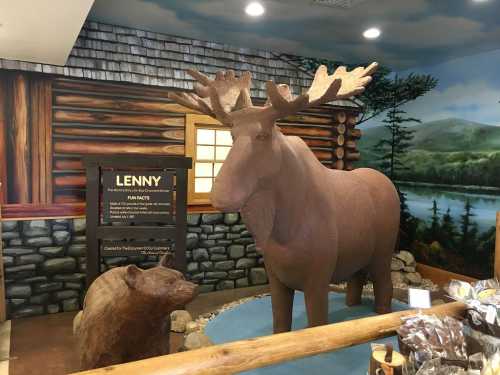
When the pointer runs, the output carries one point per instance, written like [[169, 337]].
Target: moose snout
[[226, 199]]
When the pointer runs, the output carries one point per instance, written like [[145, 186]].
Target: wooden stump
[[386, 362]]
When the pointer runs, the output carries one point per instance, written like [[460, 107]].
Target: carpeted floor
[[253, 319]]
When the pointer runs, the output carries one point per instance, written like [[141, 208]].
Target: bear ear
[[167, 260], [132, 273]]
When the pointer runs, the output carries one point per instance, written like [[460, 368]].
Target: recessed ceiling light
[[254, 9], [372, 33]]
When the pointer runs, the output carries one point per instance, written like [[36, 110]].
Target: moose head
[[255, 156]]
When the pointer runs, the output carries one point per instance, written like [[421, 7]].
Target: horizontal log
[[340, 129], [318, 143], [68, 164], [172, 134], [93, 102], [350, 145], [28, 211], [68, 197], [339, 140], [353, 133], [323, 155], [352, 156], [309, 119], [116, 118], [82, 147], [352, 120], [243, 355], [77, 181], [315, 132]]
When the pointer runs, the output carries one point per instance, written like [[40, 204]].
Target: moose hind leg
[[382, 286], [355, 288], [317, 305]]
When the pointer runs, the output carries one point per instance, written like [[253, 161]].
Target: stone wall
[[44, 260]]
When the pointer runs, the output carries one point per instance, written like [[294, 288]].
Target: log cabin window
[[207, 143]]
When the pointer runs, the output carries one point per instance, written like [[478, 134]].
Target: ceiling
[[414, 32], [41, 31]]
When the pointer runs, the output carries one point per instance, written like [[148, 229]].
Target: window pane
[[205, 152], [221, 153], [217, 167], [202, 185], [224, 138], [203, 169], [205, 136]]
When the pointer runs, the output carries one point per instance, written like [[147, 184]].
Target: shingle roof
[[121, 54]]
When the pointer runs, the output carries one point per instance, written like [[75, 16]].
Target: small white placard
[[491, 315], [419, 298]]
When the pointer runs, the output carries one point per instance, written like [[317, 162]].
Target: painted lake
[[419, 200]]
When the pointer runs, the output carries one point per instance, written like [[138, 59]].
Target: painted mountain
[[449, 151]]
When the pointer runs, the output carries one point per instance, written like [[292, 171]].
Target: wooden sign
[[133, 192], [137, 196]]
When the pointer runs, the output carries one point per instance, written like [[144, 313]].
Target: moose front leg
[[282, 304]]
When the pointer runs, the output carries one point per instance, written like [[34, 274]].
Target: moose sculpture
[[314, 225]]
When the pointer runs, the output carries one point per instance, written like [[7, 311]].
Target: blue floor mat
[[254, 319]]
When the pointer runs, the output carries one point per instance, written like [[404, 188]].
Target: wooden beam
[[249, 354], [497, 248], [3, 312], [91, 147], [3, 142], [439, 276], [20, 143], [38, 211]]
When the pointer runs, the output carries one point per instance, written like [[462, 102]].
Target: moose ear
[[167, 260], [132, 273]]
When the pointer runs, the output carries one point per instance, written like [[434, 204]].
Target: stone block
[[36, 228], [233, 236], [18, 269], [218, 257], [217, 250], [53, 308], [244, 241], [192, 267], [9, 226], [61, 237], [216, 275], [10, 236], [206, 266], [71, 304], [77, 250], [200, 255], [216, 236], [191, 240], [18, 291], [79, 239], [215, 218], [236, 274], [193, 219], [59, 265], [236, 251], [220, 228], [206, 288], [246, 263], [225, 284], [238, 228], [38, 241], [8, 261], [40, 299], [15, 242], [47, 287], [35, 279], [74, 277], [79, 225], [258, 276], [241, 283], [15, 251], [52, 251], [207, 228], [231, 218], [30, 258], [64, 294], [224, 265]]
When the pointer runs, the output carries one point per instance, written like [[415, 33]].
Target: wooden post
[[238, 356], [3, 313], [20, 140], [497, 248], [3, 143]]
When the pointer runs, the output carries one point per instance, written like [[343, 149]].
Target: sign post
[[136, 194]]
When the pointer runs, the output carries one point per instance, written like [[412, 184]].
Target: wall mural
[[443, 149]]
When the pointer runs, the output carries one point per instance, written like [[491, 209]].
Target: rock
[[28, 311], [191, 240], [74, 286], [30, 258], [79, 239], [191, 327], [192, 267], [225, 284], [244, 241], [200, 255], [18, 291], [8, 261], [258, 276], [206, 229], [47, 287], [10, 235], [224, 265], [205, 288], [196, 340], [9, 226], [16, 302], [238, 228], [36, 279], [59, 265], [194, 229], [40, 299], [241, 283], [61, 237], [38, 241], [77, 250], [407, 257], [64, 294], [207, 243], [252, 248], [217, 257], [79, 225], [410, 269], [52, 252], [414, 278], [14, 251], [35, 228], [193, 219], [75, 277], [231, 218], [220, 228], [236, 251], [179, 319], [215, 218], [233, 236], [216, 275], [52, 309], [245, 263], [398, 278], [236, 274], [72, 304], [16, 269], [397, 264], [206, 266], [16, 242], [216, 236], [217, 250]]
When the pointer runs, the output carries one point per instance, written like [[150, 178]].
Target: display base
[[254, 318]]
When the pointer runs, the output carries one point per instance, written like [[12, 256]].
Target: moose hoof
[[383, 309]]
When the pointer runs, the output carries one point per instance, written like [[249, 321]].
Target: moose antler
[[324, 88], [217, 97]]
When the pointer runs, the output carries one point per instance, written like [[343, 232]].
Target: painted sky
[[415, 32]]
